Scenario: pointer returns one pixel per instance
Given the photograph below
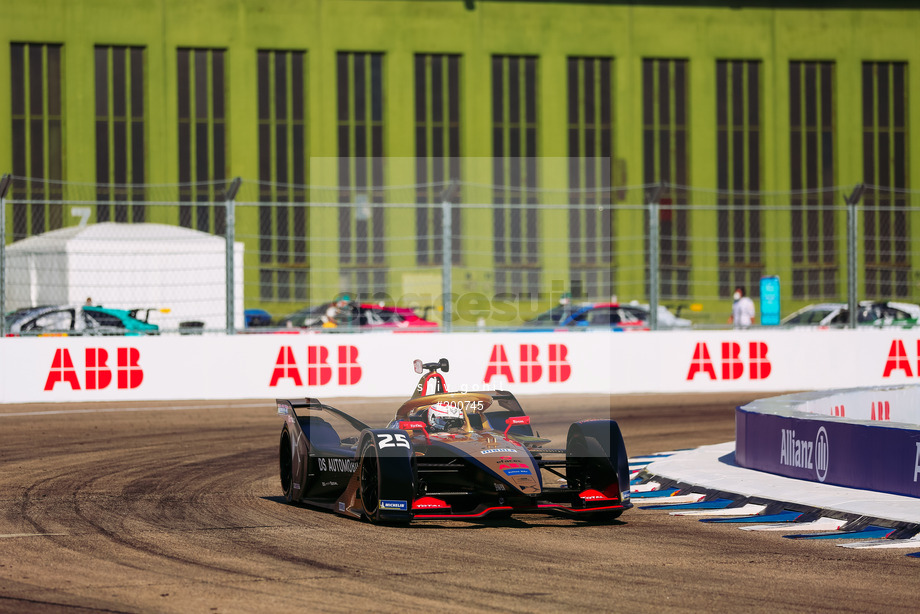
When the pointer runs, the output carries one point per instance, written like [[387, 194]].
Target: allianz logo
[[805, 453]]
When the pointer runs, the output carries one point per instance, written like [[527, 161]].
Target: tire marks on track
[[180, 511]]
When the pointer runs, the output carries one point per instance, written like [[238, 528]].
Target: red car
[[385, 316], [357, 315]]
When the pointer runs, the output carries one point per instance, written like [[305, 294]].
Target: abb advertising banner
[[326, 365], [318, 365]]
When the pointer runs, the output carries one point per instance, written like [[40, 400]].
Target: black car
[[58, 320], [449, 455]]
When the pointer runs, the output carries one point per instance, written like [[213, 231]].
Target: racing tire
[[386, 476], [370, 480], [596, 459], [286, 465]]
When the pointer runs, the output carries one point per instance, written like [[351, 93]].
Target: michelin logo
[[387, 504]]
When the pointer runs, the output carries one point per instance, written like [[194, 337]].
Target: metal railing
[[468, 255]]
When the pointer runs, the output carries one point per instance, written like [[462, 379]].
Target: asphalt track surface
[[176, 507]]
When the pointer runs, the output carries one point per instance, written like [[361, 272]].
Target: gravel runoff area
[[176, 507]]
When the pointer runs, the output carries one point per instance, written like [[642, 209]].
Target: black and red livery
[[489, 462]]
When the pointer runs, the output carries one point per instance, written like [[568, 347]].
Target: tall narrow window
[[283, 159], [886, 221], [590, 147], [665, 158], [514, 151], [120, 137], [37, 136], [738, 160], [202, 138], [437, 152], [812, 142], [359, 95]]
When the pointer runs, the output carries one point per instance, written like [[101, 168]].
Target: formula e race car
[[461, 455]]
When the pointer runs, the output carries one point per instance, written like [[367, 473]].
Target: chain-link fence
[[463, 255]]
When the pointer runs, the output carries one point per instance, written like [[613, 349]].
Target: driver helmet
[[443, 416]]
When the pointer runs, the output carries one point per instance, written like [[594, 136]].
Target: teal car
[[58, 320], [127, 319]]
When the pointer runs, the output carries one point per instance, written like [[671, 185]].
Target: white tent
[[128, 266]]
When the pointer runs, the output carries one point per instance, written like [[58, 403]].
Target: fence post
[[447, 255], [230, 201], [5, 182], [654, 251], [852, 298]]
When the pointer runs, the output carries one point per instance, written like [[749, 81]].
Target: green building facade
[[556, 122]]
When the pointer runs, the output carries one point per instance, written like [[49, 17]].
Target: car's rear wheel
[[286, 465]]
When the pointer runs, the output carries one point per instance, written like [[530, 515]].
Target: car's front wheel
[[386, 474], [370, 480], [593, 457]]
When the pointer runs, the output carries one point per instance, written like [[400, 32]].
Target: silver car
[[870, 313]]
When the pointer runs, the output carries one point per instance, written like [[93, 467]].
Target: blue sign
[[769, 301]]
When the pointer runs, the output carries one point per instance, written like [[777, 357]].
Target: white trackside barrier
[[326, 365]]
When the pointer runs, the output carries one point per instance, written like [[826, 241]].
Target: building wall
[[627, 32]]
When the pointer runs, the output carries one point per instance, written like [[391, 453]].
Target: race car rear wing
[[288, 407]]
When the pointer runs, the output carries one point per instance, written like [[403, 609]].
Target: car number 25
[[392, 440]]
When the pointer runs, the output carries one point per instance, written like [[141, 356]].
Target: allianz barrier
[[862, 445]]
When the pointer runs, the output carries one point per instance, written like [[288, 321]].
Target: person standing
[[742, 309]]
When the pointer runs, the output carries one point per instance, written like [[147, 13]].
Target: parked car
[[388, 316], [308, 317], [617, 316], [60, 320], [255, 318], [350, 314], [870, 313], [666, 318], [120, 321]]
